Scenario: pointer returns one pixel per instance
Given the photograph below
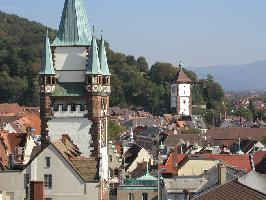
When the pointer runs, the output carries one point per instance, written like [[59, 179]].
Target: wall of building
[[66, 183], [183, 90], [254, 180], [196, 167], [77, 128], [70, 58], [123, 194], [184, 105], [12, 183]]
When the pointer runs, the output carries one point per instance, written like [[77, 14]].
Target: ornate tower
[[47, 82], [181, 102], [78, 102]]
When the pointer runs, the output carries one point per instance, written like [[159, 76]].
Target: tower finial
[[93, 29], [101, 34], [181, 64], [147, 169]]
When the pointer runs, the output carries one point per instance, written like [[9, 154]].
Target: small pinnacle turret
[[47, 67], [103, 59], [93, 65]]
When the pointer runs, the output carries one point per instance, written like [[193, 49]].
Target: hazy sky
[[200, 32]]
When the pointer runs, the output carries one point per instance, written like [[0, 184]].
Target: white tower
[[181, 93]]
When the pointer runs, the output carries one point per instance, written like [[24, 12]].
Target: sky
[[198, 32]]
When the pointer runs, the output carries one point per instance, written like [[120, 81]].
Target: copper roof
[[181, 77], [232, 191]]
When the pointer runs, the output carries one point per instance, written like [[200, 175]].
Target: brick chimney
[[221, 174], [36, 190]]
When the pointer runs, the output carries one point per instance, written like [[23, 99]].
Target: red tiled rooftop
[[242, 162], [10, 109], [169, 163], [238, 161]]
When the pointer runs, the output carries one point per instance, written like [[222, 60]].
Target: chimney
[[221, 174], [36, 190], [10, 161]]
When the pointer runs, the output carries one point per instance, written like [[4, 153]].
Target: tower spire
[[103, 58], [93, 65], [47, 67], [74, 26]]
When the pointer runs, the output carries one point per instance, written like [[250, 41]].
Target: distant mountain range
[[250, 76]]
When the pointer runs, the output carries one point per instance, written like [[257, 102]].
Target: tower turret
[[47, 82]]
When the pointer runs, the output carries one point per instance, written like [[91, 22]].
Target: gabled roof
[[47, 67], [93, 65], [232, 191], [103, 60], [181, 77], [74, 27]]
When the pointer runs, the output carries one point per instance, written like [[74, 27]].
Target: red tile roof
[[181, 77], [13, 140], [229, 136], [242, 162], [8, 109], [169, 163], [238, 161]]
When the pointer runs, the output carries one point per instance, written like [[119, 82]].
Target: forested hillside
[[134, 83]]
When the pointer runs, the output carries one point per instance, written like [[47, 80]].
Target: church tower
[[75, 88], [181, 102]]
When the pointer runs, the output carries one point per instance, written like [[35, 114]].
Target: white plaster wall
[[70, 58], [71, 76], [77, 128], [13, 182], [29, 146], [184, 90], [184, 106], [254, 180], [196, 167]]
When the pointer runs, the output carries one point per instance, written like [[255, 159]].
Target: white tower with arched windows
[[181, 100]]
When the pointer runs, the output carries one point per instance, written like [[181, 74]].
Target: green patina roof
[[47, 67], [103, 60], [69, 90], [93, 65], [74, 29], [144, 181]]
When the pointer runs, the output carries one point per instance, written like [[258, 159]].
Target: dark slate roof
[[245, 145], [141, 122], [232, 191], [150, 132], [173, 140], [69, 90], [228, 136]]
